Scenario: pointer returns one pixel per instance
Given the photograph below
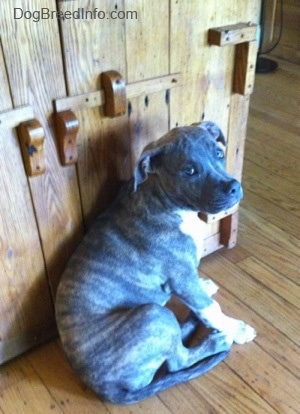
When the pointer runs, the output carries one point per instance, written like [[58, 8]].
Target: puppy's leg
[[213, 317], [182, 357], [208, 286], [189, 325]]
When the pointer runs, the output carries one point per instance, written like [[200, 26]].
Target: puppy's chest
[[195, 228]]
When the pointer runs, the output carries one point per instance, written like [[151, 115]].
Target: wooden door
[[42, 59]]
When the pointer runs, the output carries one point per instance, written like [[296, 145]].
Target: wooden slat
[[25, 303], [149, 114], [12, 118], [82, 101], [244, 68], [229, 230], [233, 34], [91, 47], [133, 90], [210, 218], [239, 108], [154, 85], [33, 60]]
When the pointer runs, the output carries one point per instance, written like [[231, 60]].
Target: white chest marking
[[194, 227]]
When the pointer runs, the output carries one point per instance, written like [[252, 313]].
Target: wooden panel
[[244, 68], [25, 304], [147, 40], [33, 59], [147, 52], [91, 47], [207, 71], [237, 135]]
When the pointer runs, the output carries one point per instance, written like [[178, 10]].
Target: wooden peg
[[115, 93], [233, 34], [66, 128], [244, 68], [31, 136], [229, 229]]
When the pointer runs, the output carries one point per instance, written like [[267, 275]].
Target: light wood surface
[[35, 75], [53, 58], [259, 283], [22, 277], [91, 47]]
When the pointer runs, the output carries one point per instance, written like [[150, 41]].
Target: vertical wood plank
[[147, 40], [91, 47], [244, 71], [208, 75], [237, 134], [25, 303], [147, 53], [33, 58]]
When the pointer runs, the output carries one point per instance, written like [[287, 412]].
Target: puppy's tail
[[122, 396]]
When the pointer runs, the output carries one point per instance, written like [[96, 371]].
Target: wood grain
[[233, 34], [103, 144], [148, 114], [25, 303], [35, 73], [258, 283]]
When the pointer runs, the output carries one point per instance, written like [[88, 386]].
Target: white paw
[[243, 333], [209, 287]]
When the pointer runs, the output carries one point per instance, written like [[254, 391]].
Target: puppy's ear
[[214, 131], [146, 164]]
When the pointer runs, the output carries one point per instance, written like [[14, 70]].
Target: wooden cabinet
[[61, 51]]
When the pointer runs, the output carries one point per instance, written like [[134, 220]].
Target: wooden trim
[[244, 68], [232, 34], [228, 230], [133, 90], [13, 117], [211, 218]]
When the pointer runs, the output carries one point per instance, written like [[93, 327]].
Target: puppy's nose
[[233, 188]]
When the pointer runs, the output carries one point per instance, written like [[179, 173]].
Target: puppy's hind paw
[[244, 333], [209, 287]]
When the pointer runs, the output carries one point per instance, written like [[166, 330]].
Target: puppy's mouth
[[221, 204], [215, 209]]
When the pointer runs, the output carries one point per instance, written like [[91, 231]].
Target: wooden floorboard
[[259, 283]]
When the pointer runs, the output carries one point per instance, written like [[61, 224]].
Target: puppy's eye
[[220, 154], [190, 171]]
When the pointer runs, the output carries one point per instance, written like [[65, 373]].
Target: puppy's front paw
[[243, 333], [209, 287]]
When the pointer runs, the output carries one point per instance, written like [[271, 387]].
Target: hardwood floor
[[259, 283]]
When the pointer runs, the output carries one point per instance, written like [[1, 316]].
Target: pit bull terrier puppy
[[110, 311]]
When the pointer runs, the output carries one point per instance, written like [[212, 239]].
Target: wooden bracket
[[243, 37], [115, 93], [13, 117], [233, 34], [66, 129], [229, 230], [211, 218], [244, 68], [31, 136]]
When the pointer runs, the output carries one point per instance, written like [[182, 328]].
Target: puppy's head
[[188, 163]]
